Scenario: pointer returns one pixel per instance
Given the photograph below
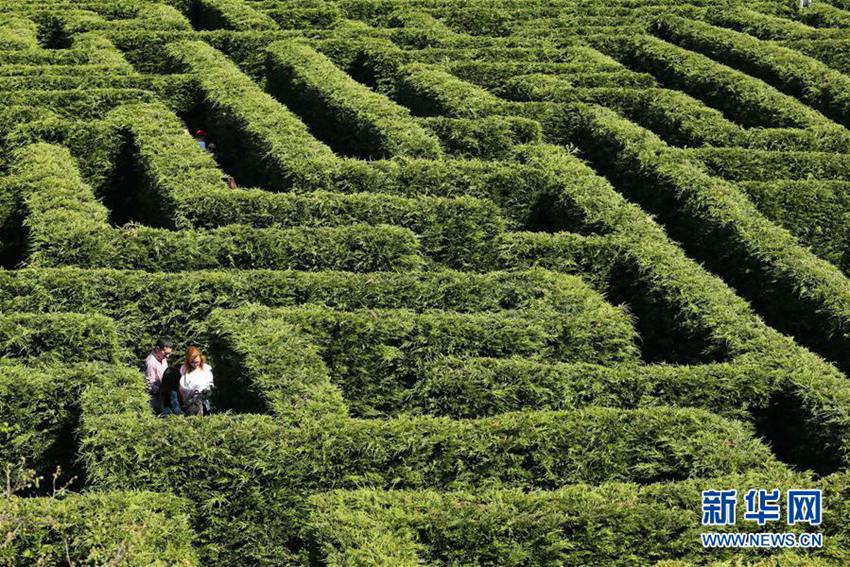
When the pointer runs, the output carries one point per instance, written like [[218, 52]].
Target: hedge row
[[185, 187], [67, 226], [736, 164], [492, 75], [745, 100], [89, 104], [375, 356], [298, 15], [593, 257], [355, 120], [225, 14], [797, 292], [271, 367], [40, 406], [107, 528], [685, 316], [177, 303], [57, 337], [608, 525], [519, 191], [18, 33], [248, 475], [760, 25], [280, 150], [357, 248], [678, 118], [480, 387], [488, 138], [833, 52], [820, 139], [429, 91], [814, 211], [791, 72], [417, 29]]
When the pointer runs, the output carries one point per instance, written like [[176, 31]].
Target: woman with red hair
[[196, 382]]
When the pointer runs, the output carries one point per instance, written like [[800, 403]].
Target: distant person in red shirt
[[201, 138]]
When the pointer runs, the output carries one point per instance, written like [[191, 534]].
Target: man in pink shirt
[[155, 365]]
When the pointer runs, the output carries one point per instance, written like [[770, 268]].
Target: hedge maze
[[501, 282]]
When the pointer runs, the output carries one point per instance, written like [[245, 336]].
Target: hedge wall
[[488, 138], [130, 528], [679, 119], [353, 119], [276, 148], [607, 525], [40, 405], [791, 72], [18, 33], [797, 292], [247, 475], [67, 226], [742, 98], [814, 211], [479, 387], [752, 165], [375, 356], [176, 303], [186, 185]]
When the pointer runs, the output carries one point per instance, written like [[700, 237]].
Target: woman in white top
[[196, 383]]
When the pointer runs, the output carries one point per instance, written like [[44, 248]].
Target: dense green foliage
[[481, 282]]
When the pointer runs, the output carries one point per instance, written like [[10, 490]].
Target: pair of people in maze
[[178, 390]]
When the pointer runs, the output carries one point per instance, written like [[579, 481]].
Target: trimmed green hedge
[[40, 409], [274, 146], [479, 387], [791, 72], [737, 164], [85, 104], [18, 33], [375, 356], [67, 226], [742, 98], [248, 475], [493, 75], [58, 337], [127, 528], [353, 119], [357, 248], [815, 211], [489, 138], [758, 24], [149, 304], [227, 14], [797, 292], [179, 186], [678, 118], [612, 524], [430, 91], [273, 367]]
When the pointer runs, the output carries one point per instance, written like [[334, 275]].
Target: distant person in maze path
[[201, 138], [196, 383], [206, 144], [154, 367]]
